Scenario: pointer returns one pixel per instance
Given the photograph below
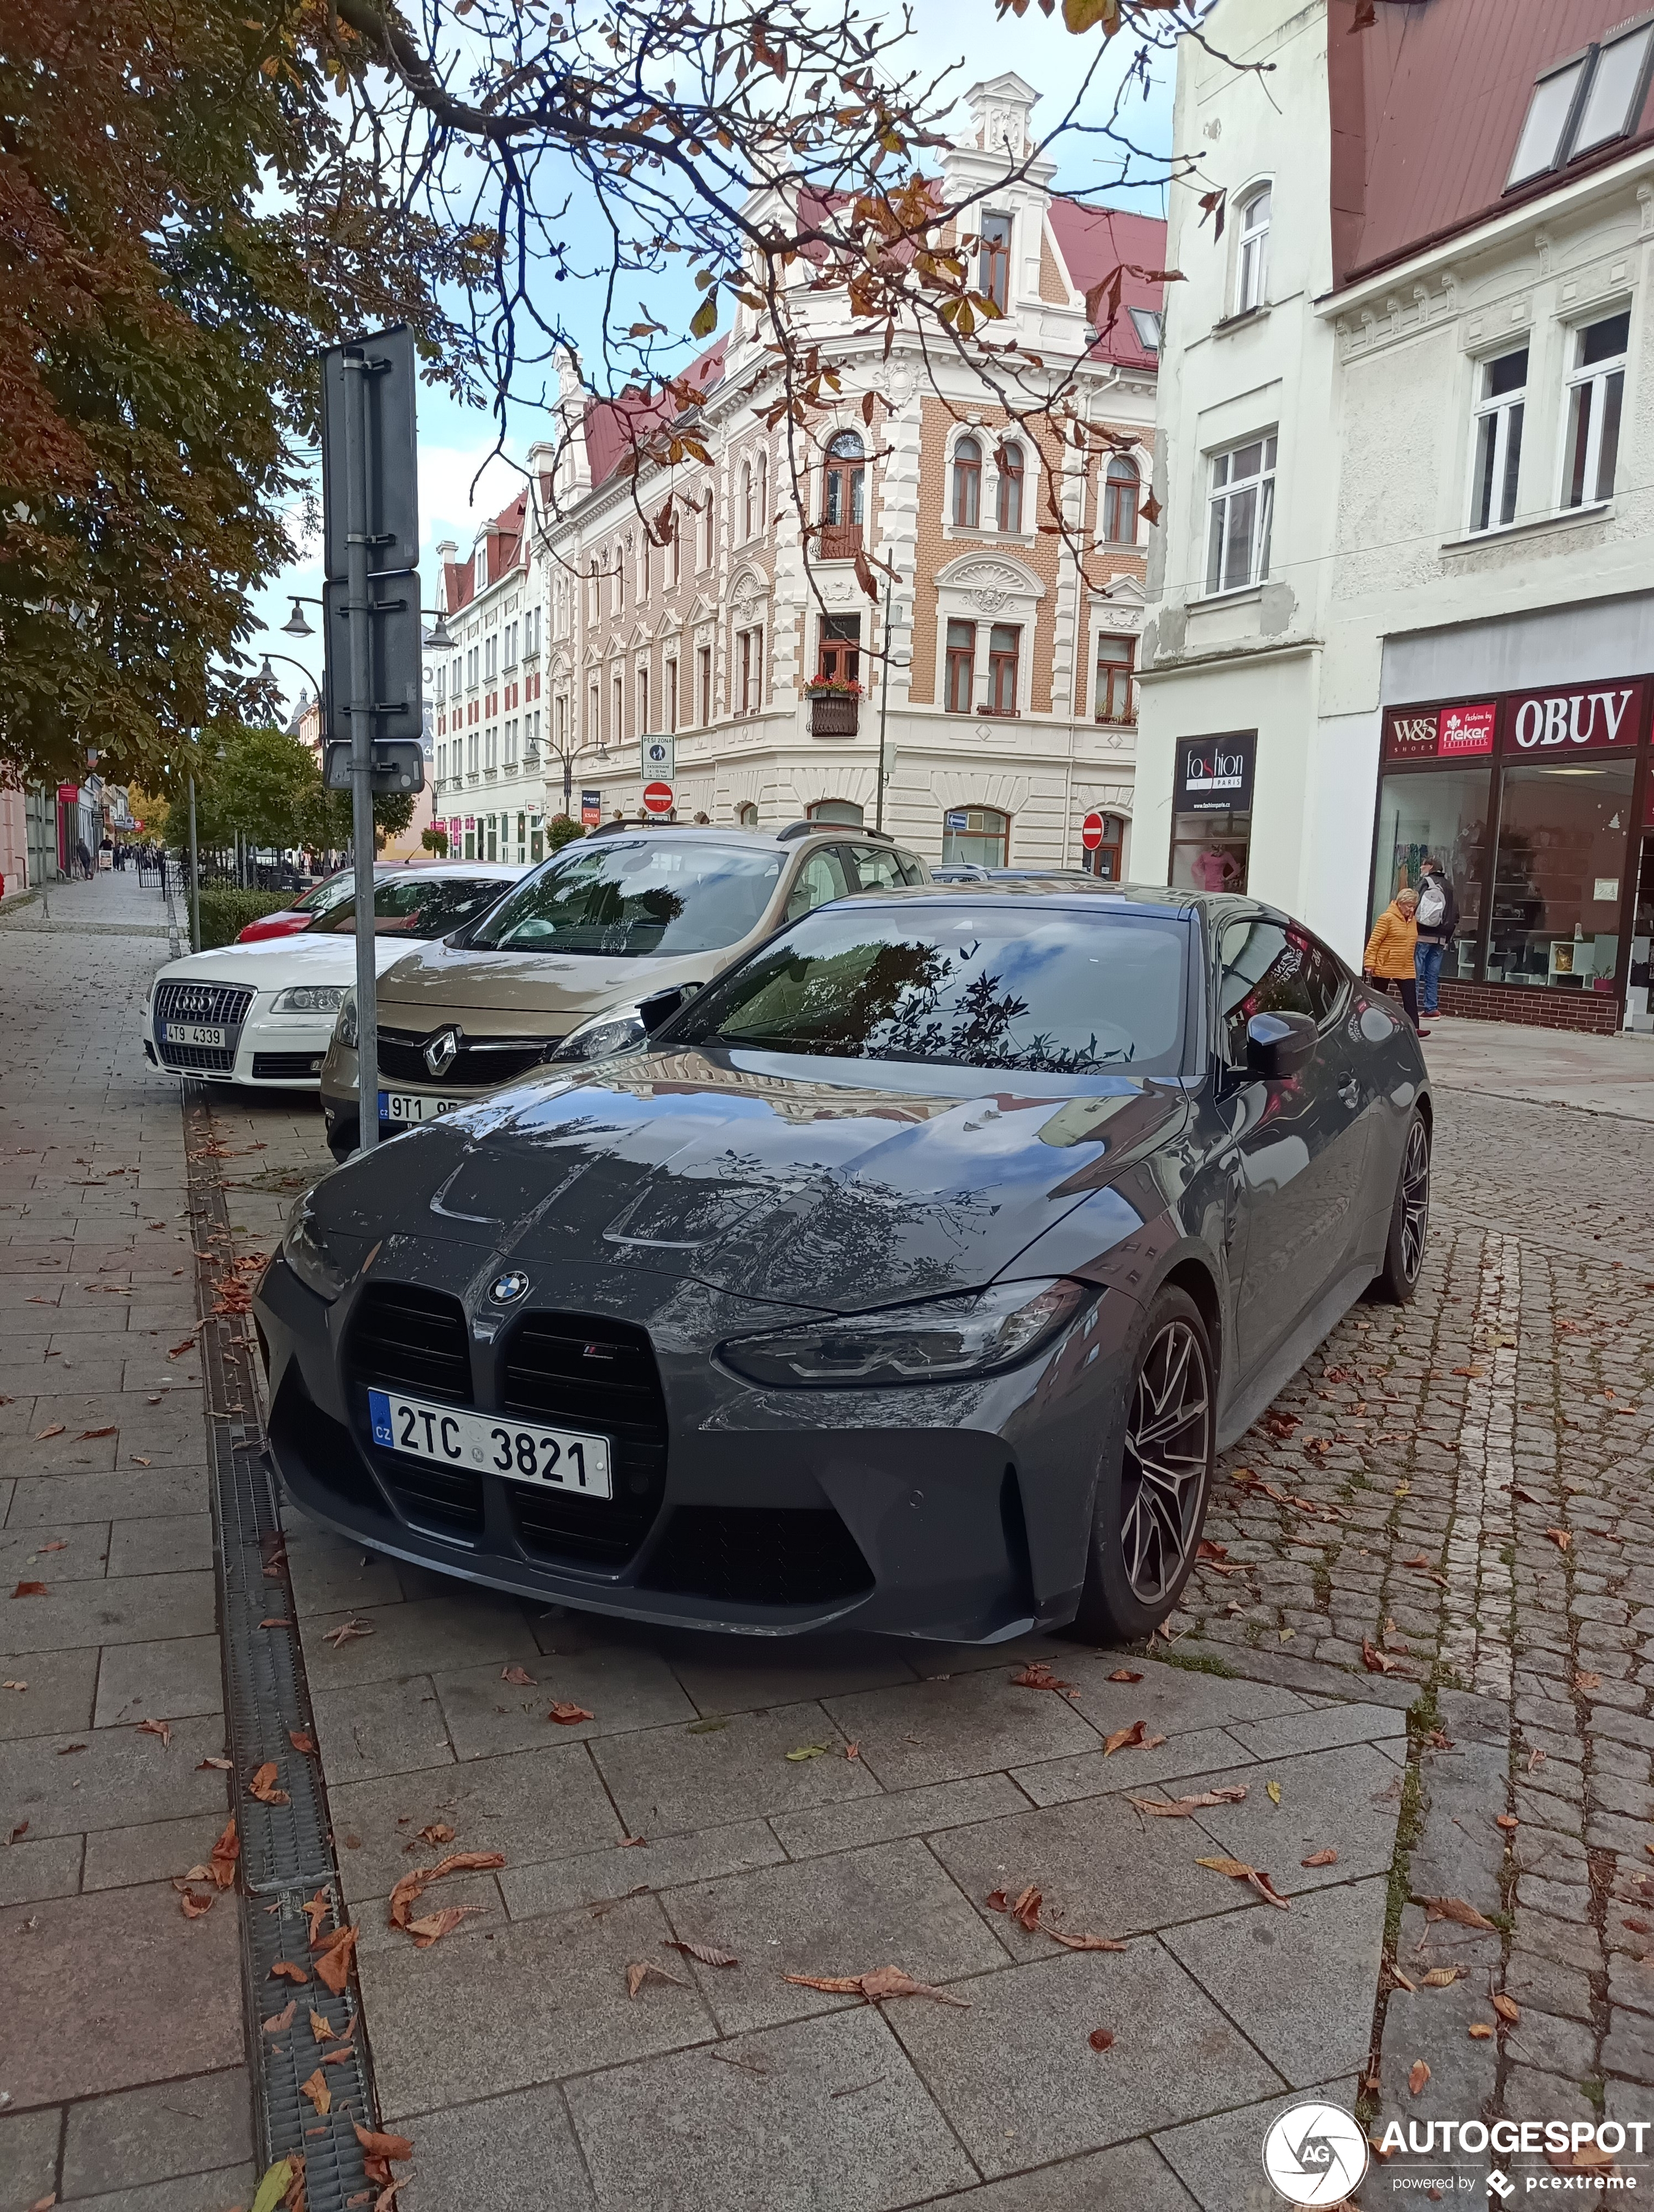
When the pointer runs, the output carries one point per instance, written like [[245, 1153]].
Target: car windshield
[[628, 897], [417, 906], [970, 985]]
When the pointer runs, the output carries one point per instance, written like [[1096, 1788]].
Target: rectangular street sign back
[[388, 391], [393, 637]]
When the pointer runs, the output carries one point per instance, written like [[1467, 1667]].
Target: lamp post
[[901, 660]]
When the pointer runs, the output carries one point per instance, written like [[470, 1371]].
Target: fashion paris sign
[[1214, 775]]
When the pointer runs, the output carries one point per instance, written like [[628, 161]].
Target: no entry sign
[[657, 798], [1091, 832]]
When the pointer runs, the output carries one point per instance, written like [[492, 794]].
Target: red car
[[288, 920]]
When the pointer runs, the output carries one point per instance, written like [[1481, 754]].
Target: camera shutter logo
[[1315, 2154]]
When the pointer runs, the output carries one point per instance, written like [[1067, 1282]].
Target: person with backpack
[[1437, 919]]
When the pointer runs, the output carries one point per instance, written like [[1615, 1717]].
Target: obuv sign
[[1521, 725], [1595, 720]]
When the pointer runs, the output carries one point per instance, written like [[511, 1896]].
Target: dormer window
[[1585, 103]]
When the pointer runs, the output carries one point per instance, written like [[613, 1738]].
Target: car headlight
[[621, 1029], [937, 1341], [323, 1261], [344, 1030], [309, 999]]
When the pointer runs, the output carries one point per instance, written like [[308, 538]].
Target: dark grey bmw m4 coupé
[[909, 1276]]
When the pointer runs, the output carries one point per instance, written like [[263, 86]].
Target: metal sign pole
[[195, 878], [884, 702], [357, 565]]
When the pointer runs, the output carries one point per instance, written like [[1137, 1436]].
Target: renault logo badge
[[441, 1052], [506, 1289]]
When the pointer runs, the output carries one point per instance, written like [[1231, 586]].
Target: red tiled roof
[[504, 536], [1426, 105], [1095, 242], [613, 426]]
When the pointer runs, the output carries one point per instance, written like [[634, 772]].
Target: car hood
[[826, 1184], [442, 981], [272, 963]]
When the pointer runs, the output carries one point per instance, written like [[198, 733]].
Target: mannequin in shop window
[[1214, 870]]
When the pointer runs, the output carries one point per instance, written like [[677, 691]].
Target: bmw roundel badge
[[506, 1289]]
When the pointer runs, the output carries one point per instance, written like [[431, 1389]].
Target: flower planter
[[833, 714]]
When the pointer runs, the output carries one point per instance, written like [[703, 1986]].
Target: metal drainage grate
[[287, 1850]]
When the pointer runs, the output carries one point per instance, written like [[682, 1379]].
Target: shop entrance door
[[1638, 1013]]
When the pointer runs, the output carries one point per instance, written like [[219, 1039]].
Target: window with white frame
[[1240, 514], [511, 744], [1115, 656], [471, 749], [491, 749], [748, 510], [1496, 437], [994, 273], [491, 657], [750, 653], [1596, 395], [1010, 487], [968, 484], [1252, 252], [1122, 488]]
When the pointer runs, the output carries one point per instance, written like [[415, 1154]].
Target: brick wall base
[[1596, 1013]]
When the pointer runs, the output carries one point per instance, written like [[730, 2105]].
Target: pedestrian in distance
[[83, 859], [1392, 955], [1437, 919]]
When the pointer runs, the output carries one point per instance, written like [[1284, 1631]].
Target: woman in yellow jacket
[[1390, 956]]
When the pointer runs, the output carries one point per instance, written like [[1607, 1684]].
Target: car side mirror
[[1278, 1045]]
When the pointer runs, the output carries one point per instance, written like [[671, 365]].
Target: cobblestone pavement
[[123, 2081], [1480, 1538]]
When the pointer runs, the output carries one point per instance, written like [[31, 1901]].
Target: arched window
[[1121, 489], [747, 510], [845, 469], [1252, 253], [842, 810], [978, 833], [1010, 486], [763, 494], [968, 484], [746, 815]]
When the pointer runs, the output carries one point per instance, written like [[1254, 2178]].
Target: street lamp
[[439, 639], [296, 625]]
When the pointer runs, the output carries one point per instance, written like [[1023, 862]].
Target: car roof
[[1072, 889], [788, 838]]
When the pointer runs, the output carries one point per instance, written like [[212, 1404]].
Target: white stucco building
[[1401, 597], [488, 787]]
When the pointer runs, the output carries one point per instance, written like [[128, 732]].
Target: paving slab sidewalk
[[122, 2067]]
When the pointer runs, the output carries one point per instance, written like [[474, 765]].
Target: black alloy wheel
[[1397, 1281], [1151, 1505]]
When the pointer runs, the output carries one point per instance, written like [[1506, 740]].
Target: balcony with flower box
[[834, 706]]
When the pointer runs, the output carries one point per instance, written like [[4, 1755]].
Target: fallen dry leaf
[[302, 1740], [852, 1750], [435, 1925], [645, 1970], [1506, 1821], [1589, 2158], [221, 1862], [58, 1544], [1441, 1977], [332, 1963], [1178, 1808], [805, 1751], [1258, 1877], [285, 1970], [1480, 2031], [31, 1589], [90, 1436], [321, 2027], [194, 1906], [1037, 1675], [1080, 1942], [435, 1832], [179, 1350], [280, 2021], [1583, 1680], [316, 1912], [56, 1429], [706, 1953], [1418, 2075], [1560, 1537], [1405, 1981], [1024, 1909], [1454, 1909], [1124, 1675], [1135, 1738], [884, 1982], [1206, 1549], [1327, 1857], [1508, 2010], [163, 1728], [382, 2146], [1101, 2037], [319, 2093], [1376, 1661], [518, 1678], [1272, 1791], [346, 1632], [412, 1886], [568, 1715], [263, 1785]]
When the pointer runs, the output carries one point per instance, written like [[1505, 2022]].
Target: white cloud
[[448, 507]]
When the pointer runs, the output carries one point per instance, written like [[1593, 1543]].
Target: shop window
[[1497, 435], [1121, 488], [1004, 653], [1116, 658], [1241, 512], [1441, 815], [1559, 874], [968, 484], [980, 835], [1252, 252], [845, 811], [1596, 393], [994, 276], [841, 648], [962, 667], [1105, 860], [1010, 487]]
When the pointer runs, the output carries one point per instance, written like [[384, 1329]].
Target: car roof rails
[[832, 829]]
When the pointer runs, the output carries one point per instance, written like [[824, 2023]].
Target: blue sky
[[455, 441]]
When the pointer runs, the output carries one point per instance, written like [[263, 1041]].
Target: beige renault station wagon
[[588, 954]]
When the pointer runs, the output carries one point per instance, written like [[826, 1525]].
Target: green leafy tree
[[435, 839], [561, 829]]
